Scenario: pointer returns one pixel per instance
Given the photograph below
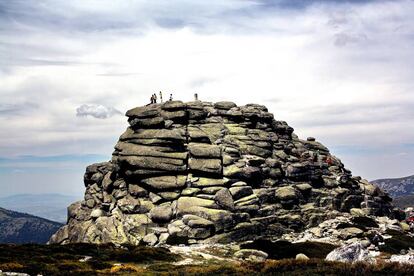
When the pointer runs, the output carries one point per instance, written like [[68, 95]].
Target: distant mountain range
[[397, 186], [49, 206], [23, 228], [401, 189]]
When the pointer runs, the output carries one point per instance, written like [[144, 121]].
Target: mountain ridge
[[51, 206], [400, 186], [16, 227]]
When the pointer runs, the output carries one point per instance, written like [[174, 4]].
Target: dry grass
[[64, 260], [126, 268], [12, 266]]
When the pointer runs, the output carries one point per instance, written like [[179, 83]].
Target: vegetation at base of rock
[[289, 267], [60, 259], [322, 267], [131, 260]]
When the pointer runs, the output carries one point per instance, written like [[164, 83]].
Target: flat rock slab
[[142, 150], [202, 182], [154, 163], [184, 203], [209, 166], [165, 182], [204, 150], [167, 134]]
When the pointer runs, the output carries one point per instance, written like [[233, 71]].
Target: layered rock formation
[[200, 172]]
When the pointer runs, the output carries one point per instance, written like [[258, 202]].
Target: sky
[[340, 71]]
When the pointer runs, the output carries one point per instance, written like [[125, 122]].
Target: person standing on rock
[[171, 97], [155, 98], [196, 96], [152, 99], [160, 97]]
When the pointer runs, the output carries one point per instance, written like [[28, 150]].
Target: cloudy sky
[[341, 71]]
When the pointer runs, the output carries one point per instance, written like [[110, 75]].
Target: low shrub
[[12, 266], [126, 268]]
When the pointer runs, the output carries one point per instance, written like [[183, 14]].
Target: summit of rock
[[201, 172]]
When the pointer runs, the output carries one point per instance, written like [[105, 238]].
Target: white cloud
[[96, 110], [342, 39]]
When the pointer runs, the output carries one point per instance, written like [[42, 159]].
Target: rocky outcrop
[[200, 172]]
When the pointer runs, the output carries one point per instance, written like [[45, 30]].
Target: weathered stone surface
[[224, 199], [349, 253], [222, 219], [210, 166], [190, 191], [96, 213], [176, 135], [185, 203], [301, 257], [165, 182], [197, 222], [211, 190], [240, 191], [130, 149], [154, 198], [153, 163], [232, 171], [202, 182], [286, 193], [224, 105], [150, 239], [162, 213], [178, 115], [206, 133], [129, 205], [201, 172], [204, 150], [143, 112], [251, 255], [169, 195], [173, 105], [146, 122], [351, 232], [145, 206], [304, 188], [137, 191]]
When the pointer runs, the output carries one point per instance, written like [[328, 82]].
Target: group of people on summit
[[154, 98]]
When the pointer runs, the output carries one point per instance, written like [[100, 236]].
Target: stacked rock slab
[[200, 172]]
